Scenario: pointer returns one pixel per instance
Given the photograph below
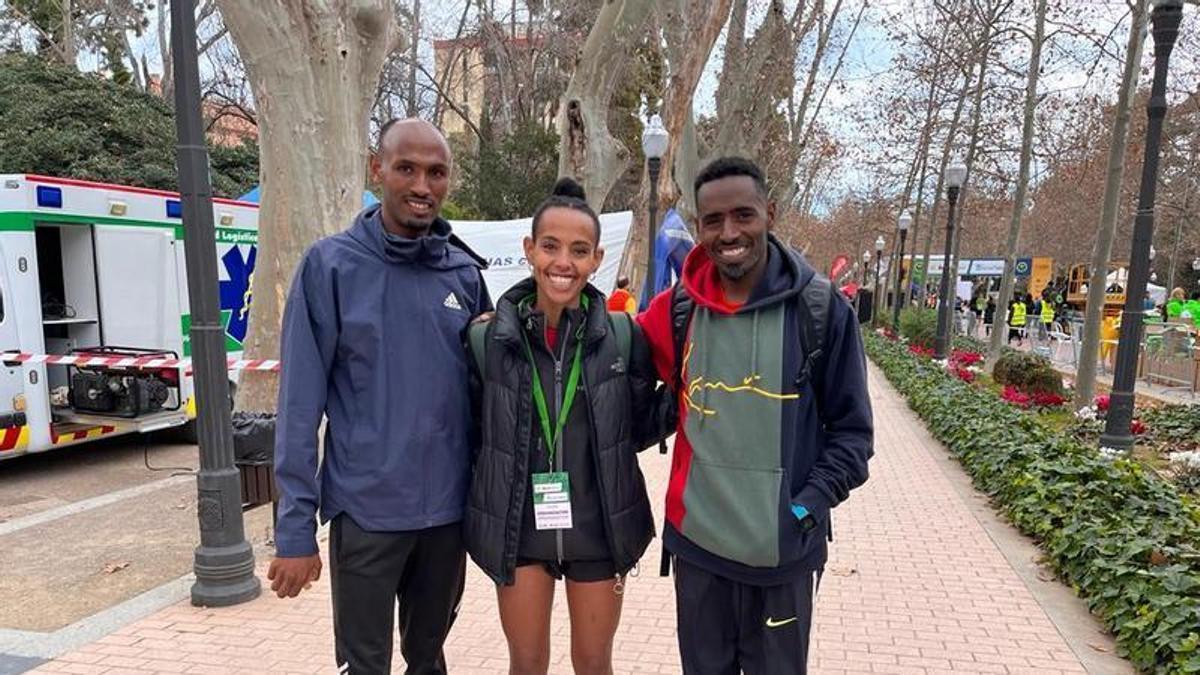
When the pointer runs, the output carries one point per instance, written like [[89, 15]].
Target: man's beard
[[417, 225], [735, 272]]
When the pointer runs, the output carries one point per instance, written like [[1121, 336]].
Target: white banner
[[501, 243], [937, 263], [987, 267]]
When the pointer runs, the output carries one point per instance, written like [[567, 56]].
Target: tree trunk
[[134, 68], [412, 106], [689, 45], [932, 104], [587, 150], [801, 131], [167, 84], [687, 166], [947, 149], [751, 80], [951, 266], [1014, 223], [313, 67], [1085, 376], [68, 31]]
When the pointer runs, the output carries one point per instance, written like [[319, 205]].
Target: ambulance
[[94, 317]]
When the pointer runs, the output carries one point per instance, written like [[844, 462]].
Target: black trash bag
[[253, 437]]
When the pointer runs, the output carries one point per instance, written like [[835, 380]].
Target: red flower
[[1045, 399], [1137, 427], [919, 350], [965, 358], [1102, 403], [1016, 397], [963, 374]]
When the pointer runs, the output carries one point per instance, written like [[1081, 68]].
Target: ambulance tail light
[[18, 403]]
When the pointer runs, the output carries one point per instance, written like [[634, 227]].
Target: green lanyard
[[539, 396]]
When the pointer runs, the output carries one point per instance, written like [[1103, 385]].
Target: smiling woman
[[564, 249], [563, 496]]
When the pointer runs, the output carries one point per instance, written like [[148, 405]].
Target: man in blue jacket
[[372, 343]]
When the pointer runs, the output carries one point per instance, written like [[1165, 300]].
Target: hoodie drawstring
[[754, 350], [706, 319]]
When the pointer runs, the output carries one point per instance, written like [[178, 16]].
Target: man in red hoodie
[[774, 429]]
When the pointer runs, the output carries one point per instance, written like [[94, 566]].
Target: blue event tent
[[253, 197]]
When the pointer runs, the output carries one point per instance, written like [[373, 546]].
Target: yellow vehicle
[[1114, 295]]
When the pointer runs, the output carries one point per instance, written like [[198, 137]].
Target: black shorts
[[583, 571]]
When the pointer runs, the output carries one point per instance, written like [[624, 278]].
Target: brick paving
[[914, 585]]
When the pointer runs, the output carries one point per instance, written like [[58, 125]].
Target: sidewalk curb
[[37, 645], [49, 645]]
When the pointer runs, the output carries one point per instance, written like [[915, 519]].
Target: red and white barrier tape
[[144, 362]]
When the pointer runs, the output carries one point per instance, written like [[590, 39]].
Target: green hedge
[[1027, 372], [1125, 540], [919, 326]]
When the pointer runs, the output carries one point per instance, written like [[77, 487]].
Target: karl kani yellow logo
[[747, 385]]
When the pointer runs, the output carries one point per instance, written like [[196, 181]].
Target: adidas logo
[[451, 301]]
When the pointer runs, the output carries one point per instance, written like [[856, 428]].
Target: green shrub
[[1125, 539], [919, 326], [1030, 373]]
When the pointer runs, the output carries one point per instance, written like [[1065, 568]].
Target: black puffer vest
[[621, 405]]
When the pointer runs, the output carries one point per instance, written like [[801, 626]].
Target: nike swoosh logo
[[772, 623]]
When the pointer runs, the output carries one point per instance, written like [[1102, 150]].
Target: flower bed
[[1127, 541]]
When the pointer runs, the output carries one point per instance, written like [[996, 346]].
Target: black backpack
[[812, 321]]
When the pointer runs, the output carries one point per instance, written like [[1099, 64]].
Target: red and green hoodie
[[752, 439]]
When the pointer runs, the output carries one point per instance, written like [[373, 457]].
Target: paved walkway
[[916, 584]]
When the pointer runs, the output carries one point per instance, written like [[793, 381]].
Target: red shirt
[[551, 337], [621, 300]]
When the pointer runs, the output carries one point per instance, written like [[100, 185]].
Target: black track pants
[[727, 627], [370, 571]]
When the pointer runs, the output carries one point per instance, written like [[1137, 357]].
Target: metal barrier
[[1170, 356]]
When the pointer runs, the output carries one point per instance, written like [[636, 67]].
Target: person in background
[[1046, 313], [621, 299], [1016, 320], [1174, 305], [989, 314]]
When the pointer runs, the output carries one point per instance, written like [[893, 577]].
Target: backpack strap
[[812, 321], [477, 339], [622, 328], [682, 306]]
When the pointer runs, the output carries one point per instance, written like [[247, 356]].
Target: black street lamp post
[[956, 175], [898, 299], [1118, 434], [866, 267], [224, 560], [654, 145], [875, 299]]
